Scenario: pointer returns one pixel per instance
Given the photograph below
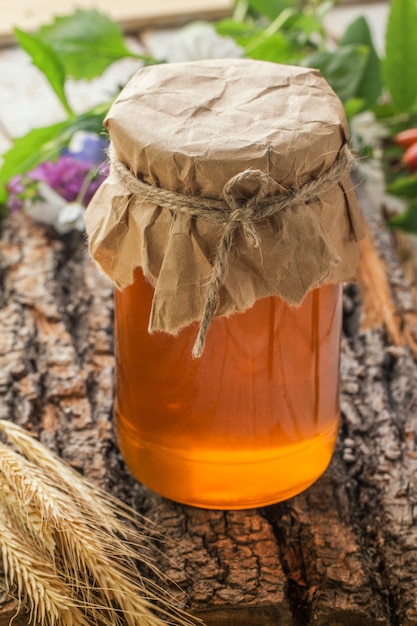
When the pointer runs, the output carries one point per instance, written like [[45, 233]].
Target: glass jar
[[251, 422], [230, 193]]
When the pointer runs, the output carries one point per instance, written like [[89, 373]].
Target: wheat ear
[[38, 586], [114, 512], [28, 520], [86, 541]]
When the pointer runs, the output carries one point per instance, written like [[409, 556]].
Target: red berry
[[410, 157], [407, 137]]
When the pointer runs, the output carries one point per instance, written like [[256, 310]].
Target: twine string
[[233, 213], [240, 215]]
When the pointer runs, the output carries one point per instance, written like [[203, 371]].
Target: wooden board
[[30, 14]]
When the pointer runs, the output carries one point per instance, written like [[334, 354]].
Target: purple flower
[[15, 189], [74, 177], [15, 185], [67, 176]]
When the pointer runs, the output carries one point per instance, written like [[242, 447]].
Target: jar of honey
[[227, 224]]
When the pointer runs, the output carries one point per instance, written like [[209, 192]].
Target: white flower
[[198, 41], [71, 217], [53, 209], [47, 208]]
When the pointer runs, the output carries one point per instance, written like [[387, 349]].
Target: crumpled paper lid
[[190, 128]]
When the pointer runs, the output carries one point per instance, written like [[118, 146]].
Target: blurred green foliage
[[82, 45]]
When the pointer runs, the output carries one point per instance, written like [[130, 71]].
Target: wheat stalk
[[113, 512], [28, 519], [69, 480], [73, 549], [38, 585]]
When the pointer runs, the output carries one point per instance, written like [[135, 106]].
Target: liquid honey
[[252, 422]]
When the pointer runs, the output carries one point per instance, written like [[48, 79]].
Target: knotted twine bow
[[233, 213]]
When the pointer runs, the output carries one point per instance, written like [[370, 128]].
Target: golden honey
[[252, 422]]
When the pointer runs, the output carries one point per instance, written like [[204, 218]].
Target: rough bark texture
[[343, 552]]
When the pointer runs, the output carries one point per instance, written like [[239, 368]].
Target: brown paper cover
[[191, 127]]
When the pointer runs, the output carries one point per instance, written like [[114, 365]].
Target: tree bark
[[343, 552]]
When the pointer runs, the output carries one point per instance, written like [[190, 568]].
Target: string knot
[[234, 211], [245, 212]]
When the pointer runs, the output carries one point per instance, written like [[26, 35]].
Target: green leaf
[[404, 186], [269, 8], [234, 29], [407, 220], [257, 43], [370, 87], [343, 69], [45, 144], [384, 111], [354, 106], [275, 48], [308, 24], [401, 53], [87, 42], [27, 151], [45, 59]]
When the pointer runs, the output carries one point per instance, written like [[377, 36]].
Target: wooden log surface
[[344, 552]]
